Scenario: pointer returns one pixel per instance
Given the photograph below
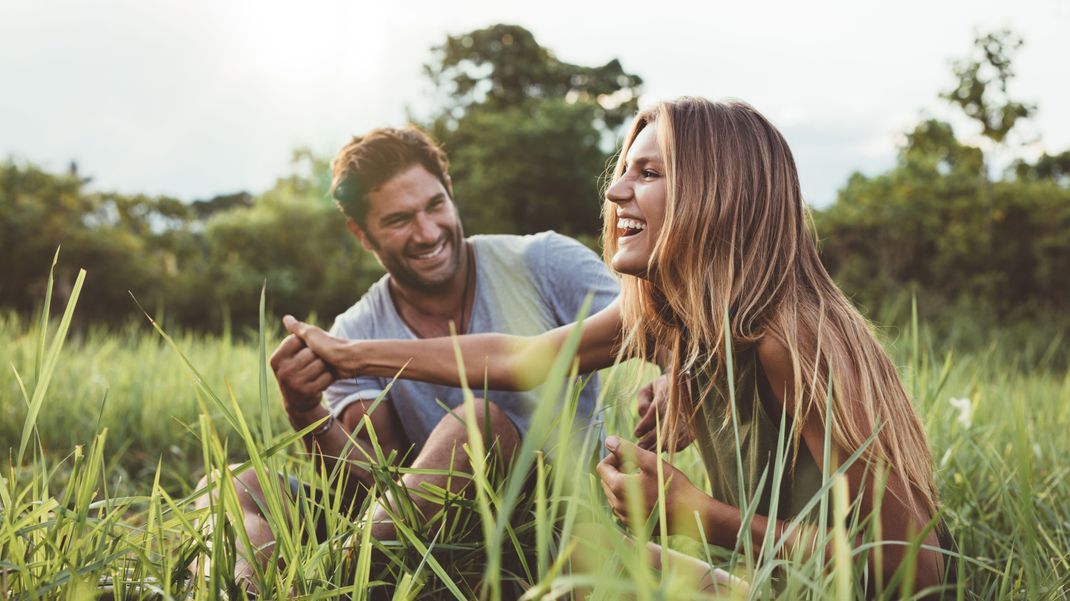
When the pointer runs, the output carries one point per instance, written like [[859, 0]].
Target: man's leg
[[250, 494], [385, 420], [443, 451]]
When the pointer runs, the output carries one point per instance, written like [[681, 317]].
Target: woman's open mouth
[[629, 227]]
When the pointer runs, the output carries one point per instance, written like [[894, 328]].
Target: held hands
[[302, 376], [682, 498], [653, 409], [330, 349]]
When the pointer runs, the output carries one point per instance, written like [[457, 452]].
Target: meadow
[[105, 433]]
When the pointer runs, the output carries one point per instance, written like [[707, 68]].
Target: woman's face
[[640, 198]]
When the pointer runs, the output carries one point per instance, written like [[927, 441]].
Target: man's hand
[[682, 498], [302, 376], [653, 408], [336, 352]]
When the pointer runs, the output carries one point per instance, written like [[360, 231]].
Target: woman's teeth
[[631, 226]]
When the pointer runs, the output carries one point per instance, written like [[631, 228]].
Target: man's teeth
[[630, 224], [432, 253]]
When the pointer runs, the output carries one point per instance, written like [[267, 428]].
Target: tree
[[293, 239], [1051, 167], [126, 243], [528, 135], [503, 67], [939, 224], [981, 88]]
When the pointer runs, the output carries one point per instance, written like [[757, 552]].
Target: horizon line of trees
[[937, 224]]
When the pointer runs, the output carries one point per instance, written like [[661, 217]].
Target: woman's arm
[[721, 523], [899, 520], [504, 361], [692, 512]]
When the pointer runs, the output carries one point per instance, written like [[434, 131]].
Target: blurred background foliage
[[529, 138]]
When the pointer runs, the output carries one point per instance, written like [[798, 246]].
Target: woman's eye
[[648, 174]]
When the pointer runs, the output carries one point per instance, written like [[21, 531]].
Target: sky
[[203, 97]]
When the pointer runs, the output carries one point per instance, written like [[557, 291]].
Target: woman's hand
[[682, 498], [653, 409], [340, 354]]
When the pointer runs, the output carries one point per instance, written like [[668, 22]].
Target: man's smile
[[432, 254]]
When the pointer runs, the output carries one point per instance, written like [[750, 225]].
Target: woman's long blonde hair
[[736, 242]]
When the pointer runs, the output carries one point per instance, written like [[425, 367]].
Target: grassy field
[[116, 427]]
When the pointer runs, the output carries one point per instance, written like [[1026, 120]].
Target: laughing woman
[[705, 223]]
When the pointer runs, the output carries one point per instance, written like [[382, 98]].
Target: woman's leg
[[705, 577]]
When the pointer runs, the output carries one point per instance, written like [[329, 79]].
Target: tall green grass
[[120, 426]]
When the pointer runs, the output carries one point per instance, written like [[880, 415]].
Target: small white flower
[[965, 409]]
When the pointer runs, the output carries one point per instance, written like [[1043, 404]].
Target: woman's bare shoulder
[[775, 359], [774, 356]]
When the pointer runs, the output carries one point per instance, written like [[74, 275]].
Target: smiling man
[[393, 187]]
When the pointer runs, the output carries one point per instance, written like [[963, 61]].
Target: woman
[[706, 224]]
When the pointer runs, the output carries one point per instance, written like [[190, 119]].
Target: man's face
[[413, 228]]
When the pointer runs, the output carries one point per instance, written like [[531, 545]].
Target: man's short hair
[[369, 161]]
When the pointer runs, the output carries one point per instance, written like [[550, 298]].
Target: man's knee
[[491, 421], [384, 420]]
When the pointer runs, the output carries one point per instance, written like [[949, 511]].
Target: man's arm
[[302, 378], [506, 362]]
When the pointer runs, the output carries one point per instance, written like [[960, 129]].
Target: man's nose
[[425, 230]]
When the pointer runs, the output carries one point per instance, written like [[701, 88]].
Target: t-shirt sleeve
[[567, 271], [341, 394]]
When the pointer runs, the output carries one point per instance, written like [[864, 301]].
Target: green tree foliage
[[528, 134], [981, 86], [940, 225], [1048, 167], [294, 239], [199, 264], [127, 243]]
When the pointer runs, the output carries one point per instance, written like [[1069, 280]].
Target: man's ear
[[360, 234], [449, 185]]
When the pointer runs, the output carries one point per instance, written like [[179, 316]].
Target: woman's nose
[[619, 191]]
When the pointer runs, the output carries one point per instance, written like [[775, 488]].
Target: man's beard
[[411, 279]]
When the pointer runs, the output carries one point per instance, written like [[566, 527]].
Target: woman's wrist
[[721, 522]]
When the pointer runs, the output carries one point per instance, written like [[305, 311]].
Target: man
[[394, 189]]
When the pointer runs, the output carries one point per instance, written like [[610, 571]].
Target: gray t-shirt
[[525, 285]]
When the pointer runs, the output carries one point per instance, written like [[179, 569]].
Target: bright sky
[[201, 97]]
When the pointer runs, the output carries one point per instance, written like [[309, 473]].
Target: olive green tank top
[[759, 428], [759, 431]]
